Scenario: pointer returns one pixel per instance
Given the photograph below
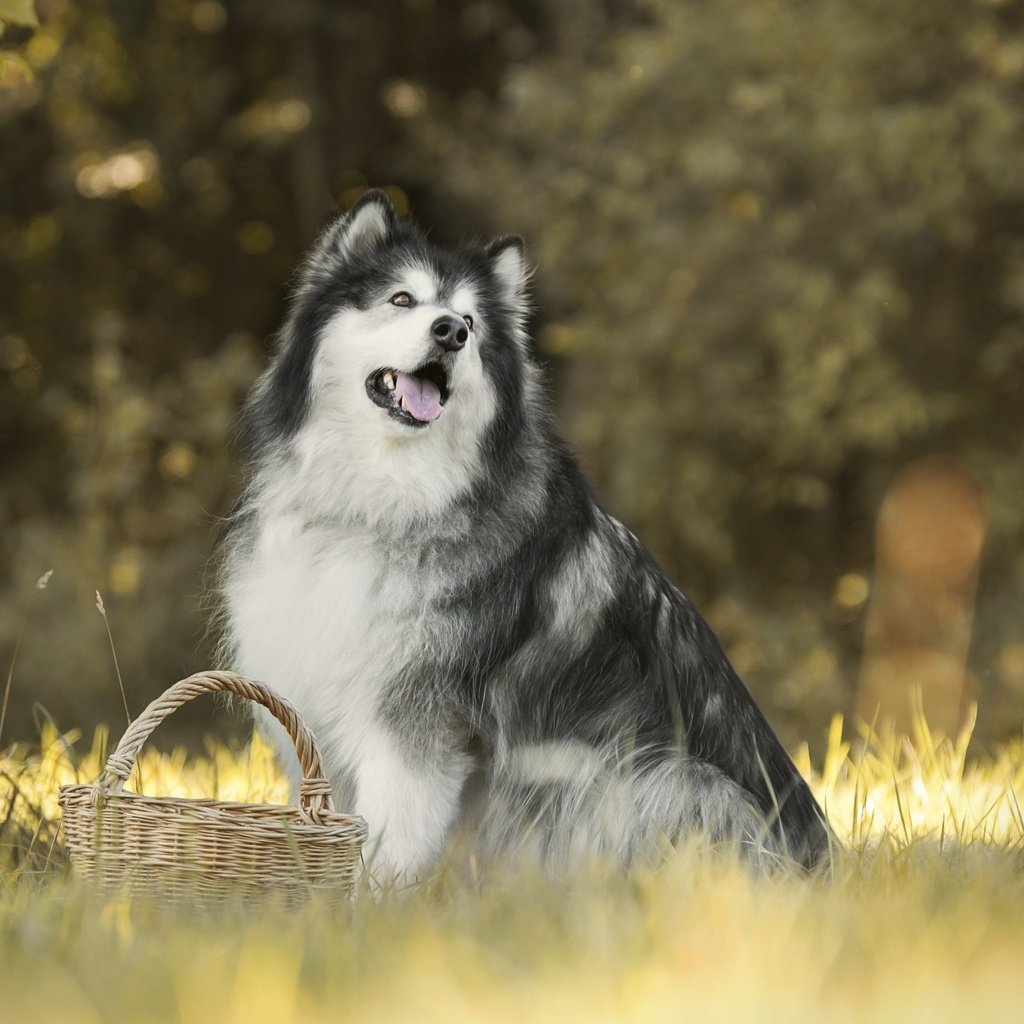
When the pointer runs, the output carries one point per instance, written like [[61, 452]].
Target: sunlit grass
[[921, 919], [881, 785]]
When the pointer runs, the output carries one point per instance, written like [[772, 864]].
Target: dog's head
[[397, 352]]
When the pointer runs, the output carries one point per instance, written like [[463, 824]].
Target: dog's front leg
[[409, 797]]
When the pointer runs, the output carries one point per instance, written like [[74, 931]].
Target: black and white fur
[[446, 598]]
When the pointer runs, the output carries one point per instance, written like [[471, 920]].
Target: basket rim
[[219, 812]]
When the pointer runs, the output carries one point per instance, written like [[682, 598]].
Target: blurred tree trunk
[[311, 190], [929, 537]]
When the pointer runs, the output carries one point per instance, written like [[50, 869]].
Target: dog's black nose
[[449, 332]]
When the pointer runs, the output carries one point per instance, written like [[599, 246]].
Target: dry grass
[[922, 919]]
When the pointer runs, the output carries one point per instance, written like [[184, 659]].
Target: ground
[[922, 917]]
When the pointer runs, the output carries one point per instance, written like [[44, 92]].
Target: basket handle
[[314, 790]]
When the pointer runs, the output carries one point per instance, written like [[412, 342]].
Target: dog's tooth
[[389, 380], [403, 404]]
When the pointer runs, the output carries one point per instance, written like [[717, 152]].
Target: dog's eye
[[469, 322], [401, 299]]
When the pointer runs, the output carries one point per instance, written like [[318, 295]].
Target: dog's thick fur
[[440, 594]]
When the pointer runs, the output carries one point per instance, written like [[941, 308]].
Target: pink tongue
[[422, 397]]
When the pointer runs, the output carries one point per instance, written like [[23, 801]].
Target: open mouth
[[415, 399]]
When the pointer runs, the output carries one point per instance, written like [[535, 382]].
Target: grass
[[921, 919]]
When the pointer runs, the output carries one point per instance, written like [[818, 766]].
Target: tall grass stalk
[[101, 608]]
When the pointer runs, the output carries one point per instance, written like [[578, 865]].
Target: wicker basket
[[210, 850]]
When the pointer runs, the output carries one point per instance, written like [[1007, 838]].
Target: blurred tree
[[781, 252], [163, 165]]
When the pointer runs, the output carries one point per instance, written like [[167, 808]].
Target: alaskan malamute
[[418, 564]]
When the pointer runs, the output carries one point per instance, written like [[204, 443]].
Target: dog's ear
[[361, 230], [508, 264]]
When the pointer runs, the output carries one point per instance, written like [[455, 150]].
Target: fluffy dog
[[419, 565]]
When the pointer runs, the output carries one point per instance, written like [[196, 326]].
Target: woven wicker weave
[[211, 850]]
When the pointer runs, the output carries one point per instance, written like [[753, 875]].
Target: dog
[[418, 564]]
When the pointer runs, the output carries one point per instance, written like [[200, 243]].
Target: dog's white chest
[[324, 620]]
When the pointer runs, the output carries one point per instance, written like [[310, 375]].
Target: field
[[922, 917]]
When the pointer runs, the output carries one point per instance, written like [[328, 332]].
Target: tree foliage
[[163, 166], [781, 253]]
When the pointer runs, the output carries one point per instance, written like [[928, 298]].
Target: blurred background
[[779, 290]]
